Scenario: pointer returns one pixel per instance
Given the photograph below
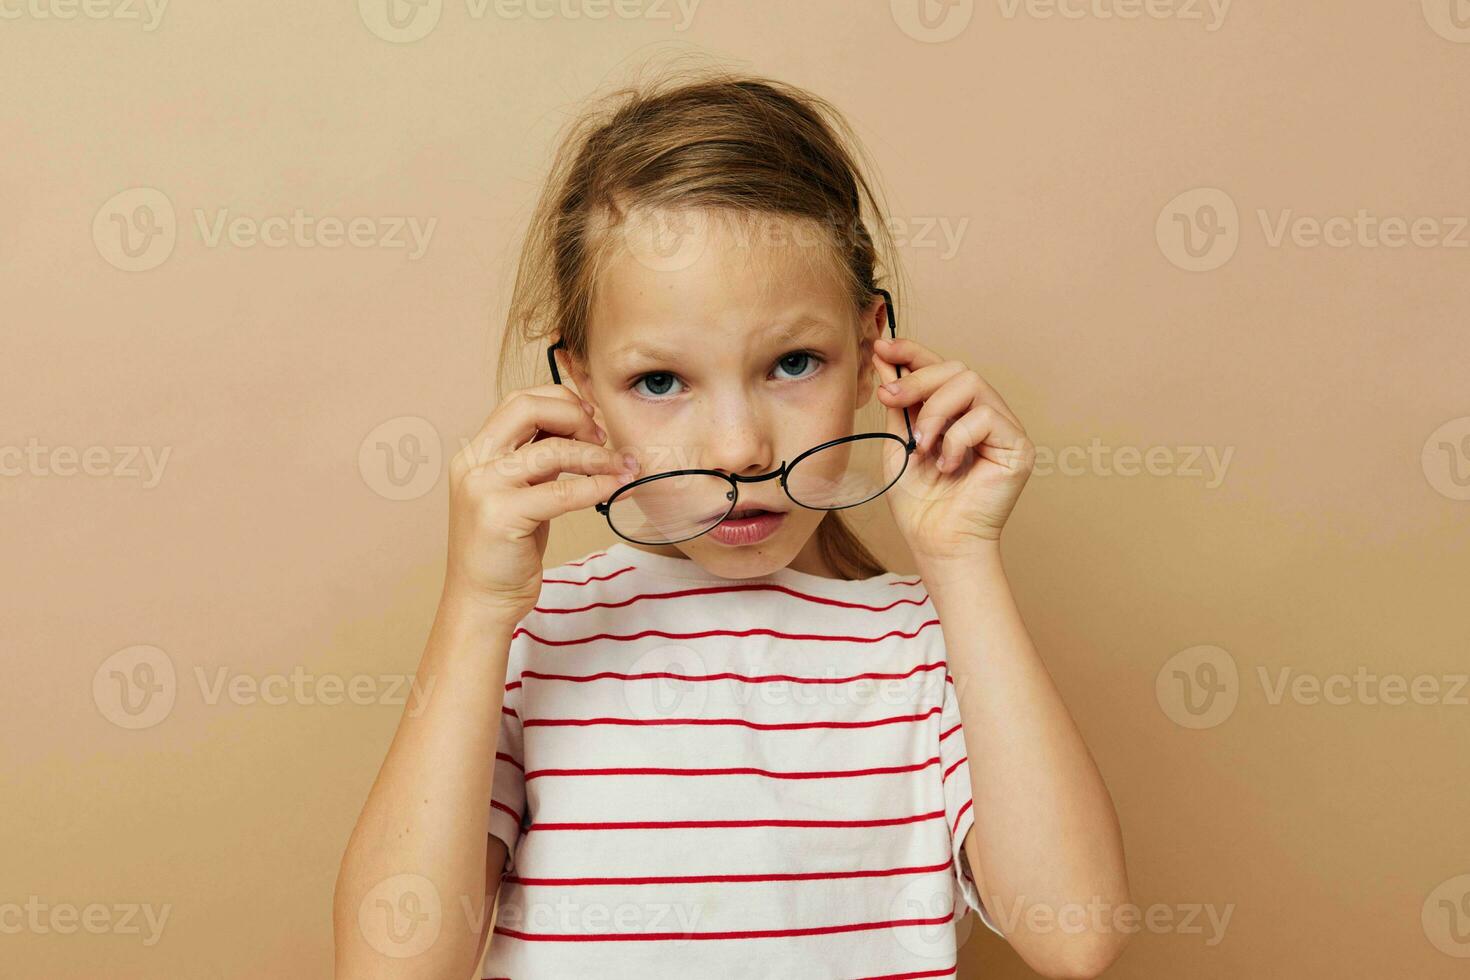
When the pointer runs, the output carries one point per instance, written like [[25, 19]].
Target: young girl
[[729, 744]]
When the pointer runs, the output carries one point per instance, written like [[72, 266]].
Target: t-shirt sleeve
[[508, 786], [959, 807]]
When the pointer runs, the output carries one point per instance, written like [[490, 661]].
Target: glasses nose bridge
[[777, 472]]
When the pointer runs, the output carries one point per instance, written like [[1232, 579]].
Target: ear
[[874, 325], [574, 376]]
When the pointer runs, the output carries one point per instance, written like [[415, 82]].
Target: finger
[[554, 498], [985, 432], [893, 416], [526, 413], [547, 459], [909, 354], [921, 385]]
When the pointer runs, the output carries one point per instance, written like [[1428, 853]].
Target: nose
[[739, 440]]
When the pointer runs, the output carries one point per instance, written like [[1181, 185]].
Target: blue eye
[[800, 357], [656, 390], [660, 383]]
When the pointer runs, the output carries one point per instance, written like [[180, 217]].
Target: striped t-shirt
[[710, 777]]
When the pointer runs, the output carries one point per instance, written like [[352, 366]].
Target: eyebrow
[[803, 327]]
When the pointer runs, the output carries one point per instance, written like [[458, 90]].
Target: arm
[[1047, 832], [426, 812]]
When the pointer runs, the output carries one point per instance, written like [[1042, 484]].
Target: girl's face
[[736, 354]]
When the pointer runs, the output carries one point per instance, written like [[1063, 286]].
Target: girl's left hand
[[973, 456]]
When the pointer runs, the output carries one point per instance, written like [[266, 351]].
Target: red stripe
[[577, 564], [717, 589], [731, 824], [703, 633], [760, 726], [502, 756], [743, 678], [509, 711], [953, 768], [595, 578], [751, 934], [917, 976], [740, 771], [960, 816], [732, 879], [506, 810], [950, 732], [513, 685]]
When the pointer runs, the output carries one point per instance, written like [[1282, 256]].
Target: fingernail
[[892, 387], [629, 461], [601, 433]]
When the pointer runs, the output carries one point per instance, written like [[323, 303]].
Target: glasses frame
[[782, 471]]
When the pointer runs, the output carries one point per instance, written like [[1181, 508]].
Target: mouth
[[741, 513]]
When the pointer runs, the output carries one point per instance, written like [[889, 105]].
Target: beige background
[[1051, 149]]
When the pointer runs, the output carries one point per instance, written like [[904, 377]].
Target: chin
[[743, 561]]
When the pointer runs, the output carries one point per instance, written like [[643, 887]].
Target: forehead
[[698, 281]]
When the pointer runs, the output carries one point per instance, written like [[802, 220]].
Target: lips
[[740, 512]]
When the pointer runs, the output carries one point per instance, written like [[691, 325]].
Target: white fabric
[[724, 736]]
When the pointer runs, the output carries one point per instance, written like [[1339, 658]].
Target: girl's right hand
[[504, 489]]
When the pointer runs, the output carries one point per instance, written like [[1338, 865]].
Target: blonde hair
[[704, 139]]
